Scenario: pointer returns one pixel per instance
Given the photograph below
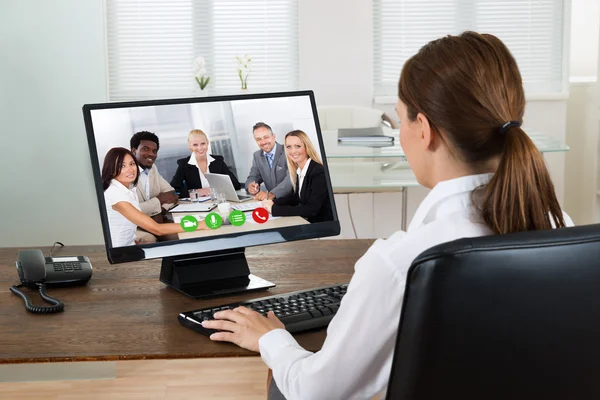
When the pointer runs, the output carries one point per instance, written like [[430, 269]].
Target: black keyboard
[[299, 311]]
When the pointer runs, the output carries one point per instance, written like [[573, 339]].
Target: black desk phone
[[39, 272]]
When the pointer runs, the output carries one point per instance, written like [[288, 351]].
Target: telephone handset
[[31, 266]]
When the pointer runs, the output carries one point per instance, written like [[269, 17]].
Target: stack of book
[[364, 137]]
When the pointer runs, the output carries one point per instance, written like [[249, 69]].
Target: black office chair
[[502, 317]]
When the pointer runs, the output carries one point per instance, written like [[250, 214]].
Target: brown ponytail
[[469, 86], [520, 196]]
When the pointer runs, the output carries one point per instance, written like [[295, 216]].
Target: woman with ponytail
[[461, 106]]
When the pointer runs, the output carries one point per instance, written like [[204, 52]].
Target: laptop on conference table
[[222, 183]]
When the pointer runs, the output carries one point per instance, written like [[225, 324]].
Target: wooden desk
[[125, 313]]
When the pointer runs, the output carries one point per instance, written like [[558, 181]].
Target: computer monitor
[[208, 262]]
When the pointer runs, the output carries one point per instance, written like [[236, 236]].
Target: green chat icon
[[237, 218]]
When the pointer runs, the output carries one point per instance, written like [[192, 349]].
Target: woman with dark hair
[[461, 105], [120, 174], [310, 198]]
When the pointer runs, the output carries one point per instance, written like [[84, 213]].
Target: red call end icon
[[260, 215]]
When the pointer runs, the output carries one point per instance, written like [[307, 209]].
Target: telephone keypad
[[67, 266]]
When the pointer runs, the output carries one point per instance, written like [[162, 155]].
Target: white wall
[[52, 63], [582, 136], [583, 113], [585, 20], [336, 49]]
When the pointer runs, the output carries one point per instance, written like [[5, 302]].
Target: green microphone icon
[[213, 220]]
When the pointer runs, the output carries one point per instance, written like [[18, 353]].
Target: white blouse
[[122, 231], [301, 174], [356, 358], [194, 162]]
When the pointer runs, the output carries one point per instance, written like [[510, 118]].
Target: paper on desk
[[252, 221], [192, 207], [200, 199], [198, 216]]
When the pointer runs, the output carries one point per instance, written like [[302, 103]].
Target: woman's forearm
[[166, 229]]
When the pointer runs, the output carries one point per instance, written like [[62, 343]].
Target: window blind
[[151, 46], [531, 29]]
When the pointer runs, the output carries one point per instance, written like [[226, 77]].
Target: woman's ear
[[426, 133]]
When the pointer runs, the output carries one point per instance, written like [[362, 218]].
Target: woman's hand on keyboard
[[242, 326]]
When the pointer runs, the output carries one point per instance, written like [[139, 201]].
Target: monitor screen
[[222, 173]]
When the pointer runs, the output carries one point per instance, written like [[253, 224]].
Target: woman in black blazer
[[190, 170], [311, 199]]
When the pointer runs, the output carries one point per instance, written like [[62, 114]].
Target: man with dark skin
[[155, 194]]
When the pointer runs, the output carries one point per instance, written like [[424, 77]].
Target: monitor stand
[[211, 274]]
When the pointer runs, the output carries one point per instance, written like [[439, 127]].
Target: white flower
[[244, 69], [199, 65], [200, 72], [244, 62]]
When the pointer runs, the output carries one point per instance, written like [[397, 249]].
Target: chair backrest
[[336, 117], [502, 317]]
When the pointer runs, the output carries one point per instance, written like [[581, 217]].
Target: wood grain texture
[[125, 313], [205, 378]]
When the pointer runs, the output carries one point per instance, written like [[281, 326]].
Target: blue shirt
[[272, 153]]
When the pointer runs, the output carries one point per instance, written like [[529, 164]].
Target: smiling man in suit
[[269, 166]]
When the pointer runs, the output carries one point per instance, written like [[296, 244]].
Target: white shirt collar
[[436, 201], [192, 160], [120, 186], [145, 170], [302, 172]]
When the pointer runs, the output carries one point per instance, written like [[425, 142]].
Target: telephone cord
[[57, 305]]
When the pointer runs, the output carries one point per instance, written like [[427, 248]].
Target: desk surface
[[125, 313]]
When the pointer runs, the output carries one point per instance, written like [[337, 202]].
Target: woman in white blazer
[[461, 104]]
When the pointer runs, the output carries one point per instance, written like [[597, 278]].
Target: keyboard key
[[295, 318]]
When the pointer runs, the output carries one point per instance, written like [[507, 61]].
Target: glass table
[[368, 167]]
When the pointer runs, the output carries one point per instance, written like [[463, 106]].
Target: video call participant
[[120, 173], [155, 194], [310, 198], [269, 166], [461, 103], [190, 170]]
